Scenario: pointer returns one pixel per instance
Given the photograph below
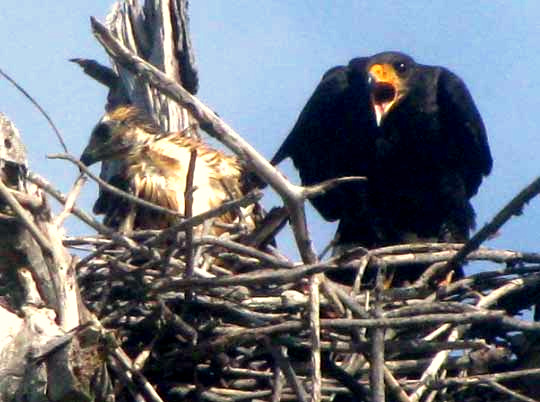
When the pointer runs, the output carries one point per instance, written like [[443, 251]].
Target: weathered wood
[[38, 282], [159, 33]]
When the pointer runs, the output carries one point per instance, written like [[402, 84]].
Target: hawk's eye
[[401, 67], [102, 132]]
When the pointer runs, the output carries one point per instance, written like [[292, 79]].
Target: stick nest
[[238, 328]]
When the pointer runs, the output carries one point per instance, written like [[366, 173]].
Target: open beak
[[386, 89]]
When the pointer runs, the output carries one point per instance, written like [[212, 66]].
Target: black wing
[[463, 122], [333, 137]]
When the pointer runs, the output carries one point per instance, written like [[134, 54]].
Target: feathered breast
[[158, 170]]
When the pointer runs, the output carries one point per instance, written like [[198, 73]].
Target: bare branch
[[188, 213], [106, 186], [514, 207], [25, 218], [293, 196], [38, 106], [70, 201]]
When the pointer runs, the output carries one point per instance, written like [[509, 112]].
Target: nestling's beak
[[386, 89]]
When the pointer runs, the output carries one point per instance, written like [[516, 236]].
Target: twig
[[46, 186], [100, 250], [500, 256], [377, 343], [457, 332], [275, 277], [287, 369], [463, 318], [360, 391], [182, 327], [116, 191], [507, 391], [121, 357], [389, 378], [394, 386], [37, 105], [315, 336], [361, 269], [327, 185], [126, 379], [25, 219], [250, 198], [476, 379], [70, 201], [238, 337], [188, 213], [277, 386], [241, 249], [514, 207]]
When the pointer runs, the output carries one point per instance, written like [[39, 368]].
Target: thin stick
[[188, 213], [514, 207], [123, 359], [277, 386], [477, 379], [25, 219], [70, 201], [241, 249], [315, 335], [288, 370], [36, 104], [116, 191], [507, 391], [463, 318], [83, 216], [377, 343], [441, 357], [249, 199]]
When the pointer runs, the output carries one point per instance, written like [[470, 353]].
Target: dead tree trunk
[[158, 32], [39, 306]]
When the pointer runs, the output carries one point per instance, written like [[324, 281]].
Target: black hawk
[[416, 134]]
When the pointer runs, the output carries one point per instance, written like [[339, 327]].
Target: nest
[[240, 326]]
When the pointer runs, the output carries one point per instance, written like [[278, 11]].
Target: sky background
[[259, 61]]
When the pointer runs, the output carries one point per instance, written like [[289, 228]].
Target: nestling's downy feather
[[156, 167]]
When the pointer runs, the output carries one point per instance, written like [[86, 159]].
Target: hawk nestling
[[154, 167]]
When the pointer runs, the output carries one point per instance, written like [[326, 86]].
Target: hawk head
[[390, 77], [118, 134]]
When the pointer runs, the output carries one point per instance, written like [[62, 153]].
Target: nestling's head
[[116, 134]]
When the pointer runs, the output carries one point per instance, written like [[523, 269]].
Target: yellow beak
[[386, 89]]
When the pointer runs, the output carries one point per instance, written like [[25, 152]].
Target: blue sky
[[259, 61]]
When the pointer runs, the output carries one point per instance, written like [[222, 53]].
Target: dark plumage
[[413, 130], [334, 137]]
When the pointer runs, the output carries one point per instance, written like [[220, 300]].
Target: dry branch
[[293, 196]]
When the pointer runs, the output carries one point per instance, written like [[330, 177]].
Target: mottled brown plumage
[[155, 168]]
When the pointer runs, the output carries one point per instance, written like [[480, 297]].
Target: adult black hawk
[[416, 134], [155, 167]]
